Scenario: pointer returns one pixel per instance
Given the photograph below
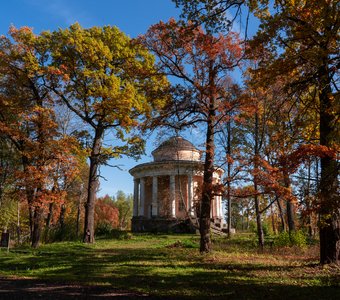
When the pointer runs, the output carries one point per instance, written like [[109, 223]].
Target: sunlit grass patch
[[171, 265]]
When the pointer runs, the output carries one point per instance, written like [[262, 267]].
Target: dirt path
[[36, 289]]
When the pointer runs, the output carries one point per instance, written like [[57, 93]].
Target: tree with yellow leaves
[[110, 82]]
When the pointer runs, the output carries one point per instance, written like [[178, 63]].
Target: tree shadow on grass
[[159, 272], [32, 289]]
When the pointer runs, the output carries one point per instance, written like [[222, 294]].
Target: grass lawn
[[170, 265]]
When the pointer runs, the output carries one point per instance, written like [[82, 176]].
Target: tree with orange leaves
[[27, 121], [302, 38], [106, 214], [201, 63]]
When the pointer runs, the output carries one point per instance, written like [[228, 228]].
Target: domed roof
[[176, 142], [176, 148]]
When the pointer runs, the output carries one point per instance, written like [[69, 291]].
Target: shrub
[[103, 228], [183, 244], [120, 234], [266, 228], [267, 231], [296, 238], [282, 240], [57, 233]]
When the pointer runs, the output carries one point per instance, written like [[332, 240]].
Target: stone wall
[[155, 225]]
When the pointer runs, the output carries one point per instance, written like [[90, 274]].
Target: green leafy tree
[[109, 81], [124, 203]]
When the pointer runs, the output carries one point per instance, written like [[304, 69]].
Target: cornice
[[169, 167]]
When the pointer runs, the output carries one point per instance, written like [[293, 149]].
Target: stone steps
[[214, 229]]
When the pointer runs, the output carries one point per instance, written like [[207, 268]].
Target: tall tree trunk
[[289, 206], [78, 216], [207, 192], [49, 215], [62, 221], [37, 219], [290, 216], [283, 224], [92, 187], [30, 193], [256, 198], [48, 221], [18, 223], [62, 216], [307, 201], [329, 197], [258, 218], [228, 179], [4, 166], [273, 219]]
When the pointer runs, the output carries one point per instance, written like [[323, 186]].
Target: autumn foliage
[[278, 130], [106, 213], [201, 63]]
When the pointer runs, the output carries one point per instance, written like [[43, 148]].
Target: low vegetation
[[170, 265]]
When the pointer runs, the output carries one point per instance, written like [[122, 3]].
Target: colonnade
[[140, 197]]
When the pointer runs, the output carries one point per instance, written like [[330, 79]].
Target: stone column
[[218, 206], [190, 195], [135, 197], [142, 197], [221, 210], [215, 215], [173, 195], [154, 196]]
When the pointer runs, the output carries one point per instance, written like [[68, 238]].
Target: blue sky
[[132, 17]]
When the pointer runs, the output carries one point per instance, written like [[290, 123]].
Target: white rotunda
[[167, 191]]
